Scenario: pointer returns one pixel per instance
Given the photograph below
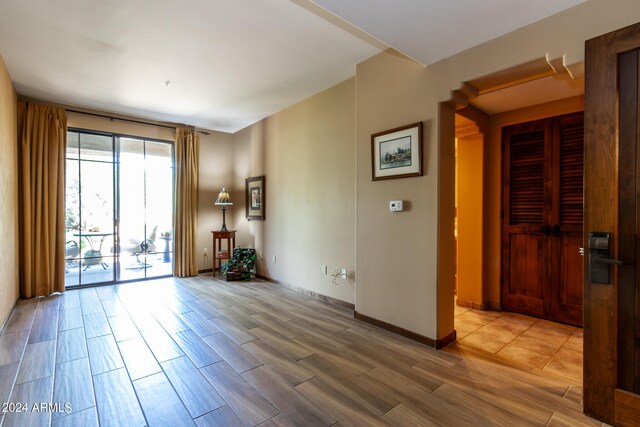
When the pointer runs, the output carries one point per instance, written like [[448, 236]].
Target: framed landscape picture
[[254, 197], [397, 153]]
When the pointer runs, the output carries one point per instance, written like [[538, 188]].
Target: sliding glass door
[[119, 208]]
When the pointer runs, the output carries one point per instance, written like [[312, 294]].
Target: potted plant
[[241, 264]]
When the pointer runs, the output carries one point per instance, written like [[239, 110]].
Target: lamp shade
[[223, 198]]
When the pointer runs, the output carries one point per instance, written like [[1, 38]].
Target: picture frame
[[255, 198], [397, 153]]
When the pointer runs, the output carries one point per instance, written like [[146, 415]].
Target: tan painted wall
[[249, 147], [307, 154], [493, 186], [403, 271], [470, 219], [215, 172], [396, 252], [9, 273]]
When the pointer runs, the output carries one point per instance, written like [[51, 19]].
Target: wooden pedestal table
[[221, 252]]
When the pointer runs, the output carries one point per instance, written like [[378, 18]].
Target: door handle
[[599, 257], [608, 261], [556, 230], [546, 230]]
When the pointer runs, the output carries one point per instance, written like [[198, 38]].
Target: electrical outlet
[[275, 259], [343, 273], [204, 251], [324, 269], [260, 255]]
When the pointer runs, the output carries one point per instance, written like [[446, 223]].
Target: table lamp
[[223, 200]]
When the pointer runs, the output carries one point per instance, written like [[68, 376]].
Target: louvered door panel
[[526, 184], [571, 173]]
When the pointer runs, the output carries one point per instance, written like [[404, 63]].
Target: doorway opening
[[482, 319], [119, 208]]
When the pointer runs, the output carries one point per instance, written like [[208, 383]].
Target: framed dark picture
[[254, 197], [397, 153]]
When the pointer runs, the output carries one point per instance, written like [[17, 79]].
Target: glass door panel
[[146, 208], [72, 212], [133, 235], [159, 206], [89, 249]]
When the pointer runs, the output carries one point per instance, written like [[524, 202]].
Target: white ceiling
[[431, 30], [230, 63]]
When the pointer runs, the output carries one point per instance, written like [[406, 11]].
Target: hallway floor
[[538, 345]]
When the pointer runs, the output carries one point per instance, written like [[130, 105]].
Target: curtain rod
[[118, 118], [204, 132]]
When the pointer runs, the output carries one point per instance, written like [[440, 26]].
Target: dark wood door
[[542, 224], [611, 310], [525, 244], [629, 234]]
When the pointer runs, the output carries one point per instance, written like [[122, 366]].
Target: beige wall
[[249, 147], [215, 172], [405, 262], [470, 220], [396, 253], [9, 275], [307, 154]]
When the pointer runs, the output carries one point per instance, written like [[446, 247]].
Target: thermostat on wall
[[396, 206]]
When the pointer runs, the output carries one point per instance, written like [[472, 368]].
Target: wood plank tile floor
[[204, 352]]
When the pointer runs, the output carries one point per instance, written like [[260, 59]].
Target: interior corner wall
[[493, 184], [446, 266], [470, 220], [307, 154], [215, 171], [9, 273], [249, 162]]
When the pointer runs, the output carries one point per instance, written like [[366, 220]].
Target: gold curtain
[[186, 215], [42, 138]]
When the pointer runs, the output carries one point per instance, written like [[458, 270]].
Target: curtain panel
[[186, 209], [42, 139]]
